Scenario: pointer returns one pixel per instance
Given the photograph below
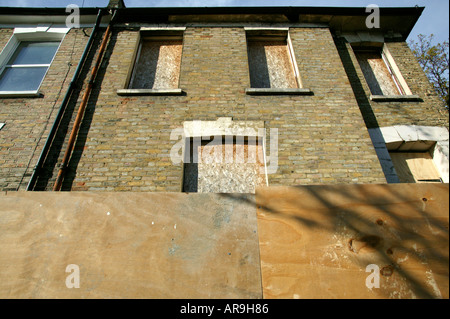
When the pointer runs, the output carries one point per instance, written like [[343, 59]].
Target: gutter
[[419, 11], [129, 13], [44, 11], [62, 108]]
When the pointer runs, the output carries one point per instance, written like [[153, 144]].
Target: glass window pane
[[21, 79], [34, 53]]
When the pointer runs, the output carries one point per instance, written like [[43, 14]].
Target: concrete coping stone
[[395, 98], [128, 92], [14, 94], [277, 91]]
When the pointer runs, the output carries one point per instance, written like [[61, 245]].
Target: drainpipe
[[62, 108], [76, 126]]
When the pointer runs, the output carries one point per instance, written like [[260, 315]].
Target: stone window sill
[[395, 98], [276, 91], [14, 94], [142, 92]]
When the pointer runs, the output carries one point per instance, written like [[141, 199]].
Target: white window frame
[[293, 60], [37, 34]]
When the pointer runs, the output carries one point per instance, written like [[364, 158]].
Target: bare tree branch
[[434, 61]]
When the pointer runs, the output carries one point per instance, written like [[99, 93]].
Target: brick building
[[329, 101], [152, 119]]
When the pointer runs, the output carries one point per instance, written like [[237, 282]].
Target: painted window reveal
[[379, 73], [157, 64], [26, 68], [271, 61]]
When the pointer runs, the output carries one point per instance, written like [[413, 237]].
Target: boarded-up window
[[378, 73], [271, 63], [225, 166], [157, 64], [415, 167]]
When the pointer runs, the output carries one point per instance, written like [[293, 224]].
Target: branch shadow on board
[[377, 222]]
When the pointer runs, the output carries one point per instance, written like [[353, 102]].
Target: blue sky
[[434, 20]]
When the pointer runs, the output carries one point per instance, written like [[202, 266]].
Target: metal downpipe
[[81, 110], [37, 169]]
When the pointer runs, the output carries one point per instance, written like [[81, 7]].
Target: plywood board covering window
[[270, 64], [225, 167], [379, 75], [157, 65], [415, 167]]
